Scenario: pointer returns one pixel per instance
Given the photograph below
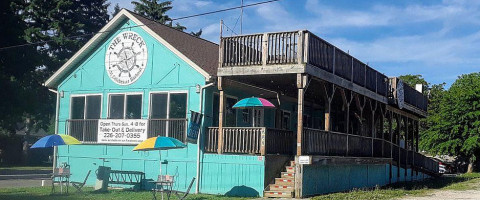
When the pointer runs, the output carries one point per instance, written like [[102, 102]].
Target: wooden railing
[[251, 140], [303, 47], [328, 143], [410, 95], [86, 130]]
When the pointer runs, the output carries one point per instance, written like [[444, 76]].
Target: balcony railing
[[303, 47], [251, 140], [86, 130]]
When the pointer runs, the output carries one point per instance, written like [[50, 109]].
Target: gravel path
[[449, 194]]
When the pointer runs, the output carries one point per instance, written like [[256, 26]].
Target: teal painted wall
[[165, 71], [233, 175], [321, 179]]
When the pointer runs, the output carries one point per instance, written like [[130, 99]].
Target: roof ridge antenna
[[241, 18]]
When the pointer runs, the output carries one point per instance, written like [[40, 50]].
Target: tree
[[17, 70], [156, 11], [455, 128], [58, 21], [412, 80], [116, 9]]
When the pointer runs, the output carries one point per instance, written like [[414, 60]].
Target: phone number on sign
[[121, 135]]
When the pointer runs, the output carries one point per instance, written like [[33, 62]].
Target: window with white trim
[[125, 106]]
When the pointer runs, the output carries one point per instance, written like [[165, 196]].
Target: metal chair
[[182, 197], [79, 185]]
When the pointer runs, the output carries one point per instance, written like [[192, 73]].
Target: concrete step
[[279, 194], [288, 175], [285, 181], [274, 187], [290, 169]]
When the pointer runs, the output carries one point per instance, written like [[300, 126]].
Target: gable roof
[[201, 54]]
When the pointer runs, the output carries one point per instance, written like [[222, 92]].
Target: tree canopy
[[454, 128], [157, 11]]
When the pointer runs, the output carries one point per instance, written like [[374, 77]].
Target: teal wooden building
[[338, 124]]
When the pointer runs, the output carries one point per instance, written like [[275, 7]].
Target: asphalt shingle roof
[[200, 51]]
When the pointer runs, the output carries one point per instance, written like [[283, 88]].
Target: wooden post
[[220, 116], [416, 137], [300, 48], [263, 140], [264, 49], [301, 83]]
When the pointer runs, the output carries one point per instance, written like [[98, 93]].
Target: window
[[246, 116], [168, 106], [125, 106], [158, 105], [215, 107], [285, 120], [85, 111], [230, 112], [178, 106], [86, 107]]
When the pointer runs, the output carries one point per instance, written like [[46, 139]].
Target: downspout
[[199, 140], [54, 162]]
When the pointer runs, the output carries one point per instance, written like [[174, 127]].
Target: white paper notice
[[130, 131]]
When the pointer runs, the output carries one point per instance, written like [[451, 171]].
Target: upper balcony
[[303, 52]]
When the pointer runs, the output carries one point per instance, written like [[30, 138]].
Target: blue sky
[[438, 39]]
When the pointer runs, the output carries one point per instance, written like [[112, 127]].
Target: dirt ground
[[448, 194]]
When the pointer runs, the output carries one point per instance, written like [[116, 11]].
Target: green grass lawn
[[43, 193], [462, 182], [394, 191]]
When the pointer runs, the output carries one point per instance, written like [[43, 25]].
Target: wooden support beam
[[328, 105], [301, 83], [220, 116]]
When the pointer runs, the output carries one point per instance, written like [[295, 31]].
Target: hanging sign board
[[400, 94], [304, 160], [194, 127], [130, 131]]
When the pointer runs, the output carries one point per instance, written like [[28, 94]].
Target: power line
[[178, 18]]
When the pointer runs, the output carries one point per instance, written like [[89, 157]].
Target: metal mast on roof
[[241, 18]]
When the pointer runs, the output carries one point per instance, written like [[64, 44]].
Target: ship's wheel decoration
[[126, 58]]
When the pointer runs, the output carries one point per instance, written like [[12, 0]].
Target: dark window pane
[[230, 112], [178, 106], [78, 107], [158, 109], [134, 107], [215, 104], [116, 106], [93, 107]]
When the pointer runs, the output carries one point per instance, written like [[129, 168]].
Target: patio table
[[63, 174], [166, 185]]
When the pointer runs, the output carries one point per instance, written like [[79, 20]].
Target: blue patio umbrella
[[55, 140]]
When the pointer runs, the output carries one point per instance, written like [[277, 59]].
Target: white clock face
[[126, 58]]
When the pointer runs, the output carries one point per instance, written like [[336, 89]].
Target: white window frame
[[124, 102], [168, 105], [168, 101], [85, 103]]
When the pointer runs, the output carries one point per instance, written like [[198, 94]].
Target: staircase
[[283, 186]]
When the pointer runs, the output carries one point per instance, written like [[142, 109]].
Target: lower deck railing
[[250, 140], [328, 143], [261, 140]]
